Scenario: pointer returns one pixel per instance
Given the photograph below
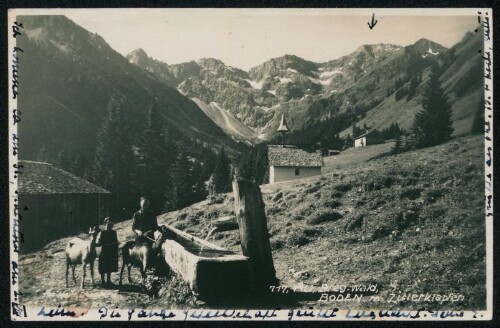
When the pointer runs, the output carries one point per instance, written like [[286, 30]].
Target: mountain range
[[73, 73], [248, 105]]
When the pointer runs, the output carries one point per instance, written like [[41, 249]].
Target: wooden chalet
[[54, 203]]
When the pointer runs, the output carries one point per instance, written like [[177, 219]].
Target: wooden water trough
[[211, 271]]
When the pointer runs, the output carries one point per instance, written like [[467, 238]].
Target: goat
[[140, 255], [82, 251]]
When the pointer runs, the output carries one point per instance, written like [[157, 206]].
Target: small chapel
[[290, 162]]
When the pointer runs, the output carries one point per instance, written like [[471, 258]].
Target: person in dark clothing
[[144, 223], [108, 259]]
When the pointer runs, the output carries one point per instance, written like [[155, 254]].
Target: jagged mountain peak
[[424, 45], [60, 32], [288, 61], [280, 66], [138, 52], [378, 48], [138, 56], [215, 68], [210, 62], [423, 41]]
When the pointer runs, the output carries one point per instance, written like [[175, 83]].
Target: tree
[[261, 165], [396, 149], [433, 124], [155, 159], [189, 186], [478, 122], [253, 164], [199, 189], [412, 88], [114, 160], [355, 131], [222, 173]]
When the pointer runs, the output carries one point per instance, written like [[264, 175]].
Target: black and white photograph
[[251, 164]]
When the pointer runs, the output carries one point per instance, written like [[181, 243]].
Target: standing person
[[144, 222], [108, 259]]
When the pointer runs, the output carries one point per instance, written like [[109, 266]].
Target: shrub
[[433, 212], [411, 193], [326, 215], [432, 195], [378, 182], [175, 292], [343, 187], [354, 223], [181, 225], [337, 194], [193, 219], [377, 203], [406, 219], [330, 203], [409, 181], [304, 210], [379, 232], [270, 210], [278, 196], [277, 244], [215, 199], [359, 203], [212, 213], [297, 238], [312, 232], [312, 189]]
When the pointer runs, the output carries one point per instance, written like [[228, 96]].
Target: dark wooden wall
[[49, 217]]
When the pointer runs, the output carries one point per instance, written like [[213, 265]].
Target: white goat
[[81, 251]]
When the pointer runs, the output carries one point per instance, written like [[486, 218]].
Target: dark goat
[[141, 255]]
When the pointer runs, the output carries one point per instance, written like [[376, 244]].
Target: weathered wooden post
[[254, 236]]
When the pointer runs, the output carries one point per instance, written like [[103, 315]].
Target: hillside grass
[[355, 156], [412, 222]]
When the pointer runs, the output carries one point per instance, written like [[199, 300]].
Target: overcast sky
[[246, 38]]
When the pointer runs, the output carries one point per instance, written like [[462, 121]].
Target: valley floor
[[411, 223]]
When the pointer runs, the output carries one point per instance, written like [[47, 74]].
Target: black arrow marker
[[373, 22]]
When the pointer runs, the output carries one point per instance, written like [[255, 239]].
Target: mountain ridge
[[77, 73], [311, 93]]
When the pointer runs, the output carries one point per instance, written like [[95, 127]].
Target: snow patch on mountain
[[62, 47], [327, 74], [285, 80], [34, 34], [255, 84]]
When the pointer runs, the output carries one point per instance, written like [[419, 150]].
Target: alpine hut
[[54, 203], [371, 137]]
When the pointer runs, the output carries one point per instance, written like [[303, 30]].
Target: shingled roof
[[44, 178], [293, 156], [374, 133]]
